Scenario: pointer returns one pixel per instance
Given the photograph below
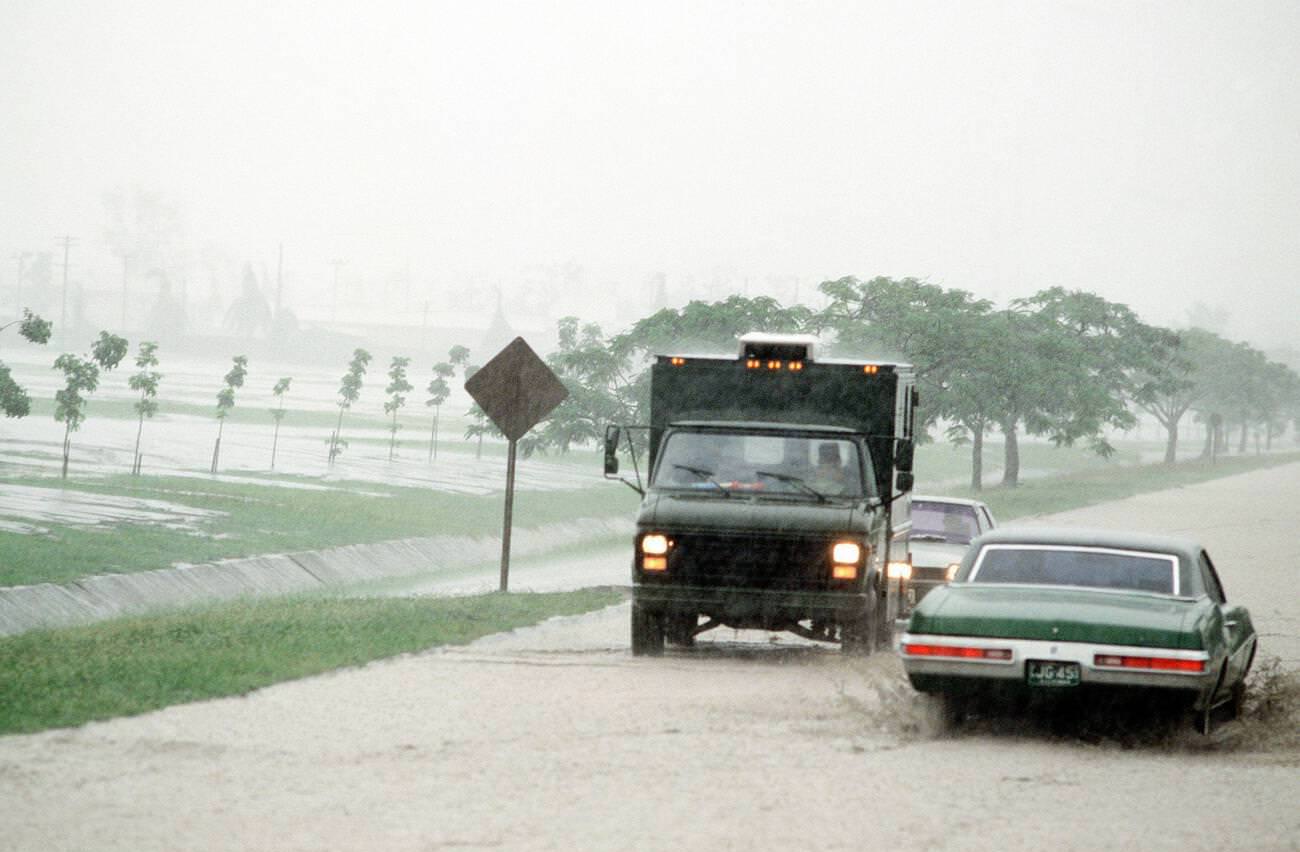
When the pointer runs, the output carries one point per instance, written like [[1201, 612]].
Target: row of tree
[[82, 374], [1067, 365]]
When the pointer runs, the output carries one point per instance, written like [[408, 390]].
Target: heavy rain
[[784, 317]]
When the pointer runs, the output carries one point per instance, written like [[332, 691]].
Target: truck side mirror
[[611, 450], [904, 481], [903, 456]]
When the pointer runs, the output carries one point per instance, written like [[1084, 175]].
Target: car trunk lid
[[1056, 613]]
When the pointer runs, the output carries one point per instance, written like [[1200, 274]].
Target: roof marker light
[[677, 360], [870, 369]]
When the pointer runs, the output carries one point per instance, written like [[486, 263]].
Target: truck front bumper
[[750, 606]]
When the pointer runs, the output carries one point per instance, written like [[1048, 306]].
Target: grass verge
[[260, 519], [62, 678], [1087, 487]]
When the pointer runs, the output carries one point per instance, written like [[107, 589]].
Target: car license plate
[[1046, 673]]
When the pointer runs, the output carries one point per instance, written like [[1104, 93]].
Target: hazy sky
[[1146, 151]]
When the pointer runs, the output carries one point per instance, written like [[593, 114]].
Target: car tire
[[1238, 702], [647, 633], [1203, 717], [952, 711]]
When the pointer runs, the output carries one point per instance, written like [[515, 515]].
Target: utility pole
[[126, 279], [21, 257], [63, 312], [279, 281], [334, 308]]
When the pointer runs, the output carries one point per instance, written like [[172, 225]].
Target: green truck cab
[[778, 485]]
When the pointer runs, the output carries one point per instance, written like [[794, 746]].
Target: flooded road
[[554, 737]]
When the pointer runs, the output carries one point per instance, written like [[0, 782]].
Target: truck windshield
[[805, 465]]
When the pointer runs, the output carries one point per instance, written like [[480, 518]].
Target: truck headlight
[[951, 572], [846, 553], [654, 544], [899, 570]]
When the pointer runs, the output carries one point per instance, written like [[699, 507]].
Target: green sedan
[[1071, 612]]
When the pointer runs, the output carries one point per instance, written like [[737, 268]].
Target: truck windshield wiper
[[706, 475], [796, 482]]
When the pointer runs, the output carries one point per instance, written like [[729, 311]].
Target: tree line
[[82, 374], [1066, 365]]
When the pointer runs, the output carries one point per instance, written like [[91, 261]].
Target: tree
[[349, 393], [942, 333], [14, 401], [397, 386], [1077, 362], [277, 413], [479, 425], [226, 401], [1182, 380], [81, 376], [604, 383], [714, 325], [438, 390], [146, 382]]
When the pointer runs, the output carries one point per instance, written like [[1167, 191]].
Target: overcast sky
[[1147, 151]]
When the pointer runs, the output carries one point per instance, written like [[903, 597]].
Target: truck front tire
[[647, 633], [857, 634]]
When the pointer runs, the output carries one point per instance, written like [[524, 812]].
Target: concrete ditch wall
[[102, 596]]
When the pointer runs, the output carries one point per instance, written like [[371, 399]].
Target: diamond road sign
[[516, 389]]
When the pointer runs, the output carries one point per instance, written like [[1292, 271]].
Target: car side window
[[1211, 579]]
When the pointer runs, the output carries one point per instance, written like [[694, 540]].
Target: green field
[[53, 679]]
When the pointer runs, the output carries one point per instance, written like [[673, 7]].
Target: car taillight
[[957, 651], [1167, 664]]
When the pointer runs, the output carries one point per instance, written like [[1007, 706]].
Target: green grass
[[1088, 487], [60, 678], [269, 519]]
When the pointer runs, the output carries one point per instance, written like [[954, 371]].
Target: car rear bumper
[[939, 674]]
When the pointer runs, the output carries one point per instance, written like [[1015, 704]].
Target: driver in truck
[[829, 476]]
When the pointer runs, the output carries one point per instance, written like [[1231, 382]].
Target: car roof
[[960, 501], [1081, 537]]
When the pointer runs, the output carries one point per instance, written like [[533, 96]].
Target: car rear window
[[950, 522], [1097, 568]]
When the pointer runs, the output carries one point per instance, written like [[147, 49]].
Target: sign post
[[516, 390]]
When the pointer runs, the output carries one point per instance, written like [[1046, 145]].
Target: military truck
[[777, 493]]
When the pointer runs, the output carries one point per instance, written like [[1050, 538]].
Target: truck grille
[[751, 562]]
